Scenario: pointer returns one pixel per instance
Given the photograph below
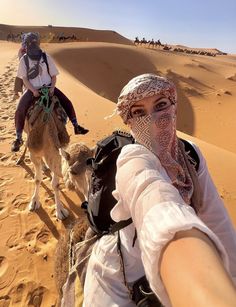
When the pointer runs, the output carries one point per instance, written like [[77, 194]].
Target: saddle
[[47, 112]]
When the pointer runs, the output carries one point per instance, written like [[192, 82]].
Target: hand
[[36, 93], [51, 91]]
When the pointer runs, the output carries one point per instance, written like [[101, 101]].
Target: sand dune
[[52, 33], [92, 74], [206, 86]]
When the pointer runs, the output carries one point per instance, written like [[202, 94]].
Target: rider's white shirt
[[43, 78], [145, 193]]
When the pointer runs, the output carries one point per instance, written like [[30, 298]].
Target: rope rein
[[44, 102]]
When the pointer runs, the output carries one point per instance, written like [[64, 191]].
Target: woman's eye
[[161, 105], [137, 112]]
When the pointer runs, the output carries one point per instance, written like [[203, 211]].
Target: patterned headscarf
[[143, 86], [32, 43], [157, 131]]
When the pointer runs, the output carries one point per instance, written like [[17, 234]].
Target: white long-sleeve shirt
[[145, 193]]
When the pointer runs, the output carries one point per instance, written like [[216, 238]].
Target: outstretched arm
[[163, 220], [193, 273]]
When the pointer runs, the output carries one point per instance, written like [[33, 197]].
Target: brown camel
[[46, 134]]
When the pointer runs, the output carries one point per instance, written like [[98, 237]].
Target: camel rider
[[41, 71]]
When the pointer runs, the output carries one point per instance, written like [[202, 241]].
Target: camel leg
[[61, 212], [53, 160], [35, 203]]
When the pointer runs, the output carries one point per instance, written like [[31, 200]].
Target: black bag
[[142, 294], [100, 199], [102, 183], [192, 154]]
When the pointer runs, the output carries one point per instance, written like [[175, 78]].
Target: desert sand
[[92, 74]]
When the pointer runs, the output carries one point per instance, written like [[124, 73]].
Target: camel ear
[[65, 154]]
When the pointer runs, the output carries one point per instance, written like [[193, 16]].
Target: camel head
[[75, 171]]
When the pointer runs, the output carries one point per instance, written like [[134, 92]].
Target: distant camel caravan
[[63, 38], [154, 44], [60, 37], [150, 43], [46, 136]]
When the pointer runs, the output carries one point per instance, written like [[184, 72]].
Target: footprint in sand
[[5, 301], [13, 242], [5, 117], [6, 107], [1, 153], [20, 202], [7, 273], [35, 236], [17, 293], [30, 235], [3, 265], [4, 212], [4, 180], [24, 294], [43, 236], [6, 158], [36, 296], [3, 139]]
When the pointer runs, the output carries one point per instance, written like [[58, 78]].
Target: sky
[[202, 23]]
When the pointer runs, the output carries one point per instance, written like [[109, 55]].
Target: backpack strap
[[46, 62], [195, 160], [120, 225], [26, 60]]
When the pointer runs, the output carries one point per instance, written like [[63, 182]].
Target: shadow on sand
[[74, 210], [105, 70], [185, 117]]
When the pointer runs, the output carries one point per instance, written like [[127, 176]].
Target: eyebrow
[[142, 104], [136, 106]]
